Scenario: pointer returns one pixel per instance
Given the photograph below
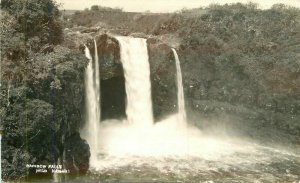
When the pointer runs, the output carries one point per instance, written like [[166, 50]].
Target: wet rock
[[163, 79], [162, 68], [90, 30], [109, 56], [77, 154], [139, 35], [152, 40]]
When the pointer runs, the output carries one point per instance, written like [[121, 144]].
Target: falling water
[[166, 151], [134, 58], [180, 94], [97, 82], [92, 92]]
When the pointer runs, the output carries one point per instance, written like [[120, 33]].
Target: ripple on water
[[165, 153]]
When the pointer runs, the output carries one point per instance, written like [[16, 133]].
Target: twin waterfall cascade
[[138, 134]]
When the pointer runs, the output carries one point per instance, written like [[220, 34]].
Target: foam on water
[[137, 143]]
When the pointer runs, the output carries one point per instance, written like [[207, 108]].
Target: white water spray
[[164, 146], [165, 138], [180, 94], [134, 58], [92, 93], [125, 150]]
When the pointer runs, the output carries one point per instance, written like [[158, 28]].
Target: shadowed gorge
[[113, 98]]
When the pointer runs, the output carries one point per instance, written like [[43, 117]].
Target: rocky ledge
[[162, 69]]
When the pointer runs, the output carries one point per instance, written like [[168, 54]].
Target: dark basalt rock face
[[113, 97], [162, 75], [109, 56], [223, 95], [77, 154], [112, 76], [163, 79]]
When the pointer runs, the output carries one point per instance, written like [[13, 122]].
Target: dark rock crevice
[[113, 96], [162, 75], [109, 56]]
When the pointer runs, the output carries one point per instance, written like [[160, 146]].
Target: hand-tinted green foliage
[[41, 86]]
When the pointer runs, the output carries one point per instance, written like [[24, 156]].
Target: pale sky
[[163, 5]]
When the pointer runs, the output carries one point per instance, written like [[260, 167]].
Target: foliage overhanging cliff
[[42, 88]]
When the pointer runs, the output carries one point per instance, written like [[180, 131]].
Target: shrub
[[95, 8]]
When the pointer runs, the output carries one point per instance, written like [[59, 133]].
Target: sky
[[162, 5]]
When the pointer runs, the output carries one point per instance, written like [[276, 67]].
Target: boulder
[[77, 154]]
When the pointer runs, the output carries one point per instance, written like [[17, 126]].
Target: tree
[[95, 8], [36, 74], [36, 18]]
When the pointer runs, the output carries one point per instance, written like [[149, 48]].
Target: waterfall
[[170, 148], [134, 58], [180, 94], [97, 82], [138, 135], [92, 93]]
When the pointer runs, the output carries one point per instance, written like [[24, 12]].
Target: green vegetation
[[41, 86]]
